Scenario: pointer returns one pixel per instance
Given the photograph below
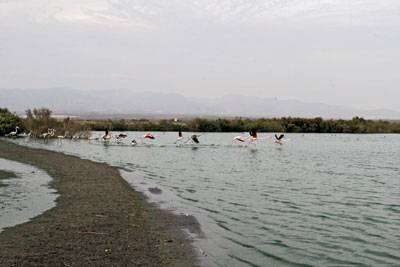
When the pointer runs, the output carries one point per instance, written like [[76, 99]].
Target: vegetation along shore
[[38, 122]]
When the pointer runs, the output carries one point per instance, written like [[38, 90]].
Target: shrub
[[8, 121]]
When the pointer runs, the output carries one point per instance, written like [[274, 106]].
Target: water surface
[[317, 200], [25, 196]]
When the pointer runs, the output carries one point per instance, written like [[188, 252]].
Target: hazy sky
[[333, 51]]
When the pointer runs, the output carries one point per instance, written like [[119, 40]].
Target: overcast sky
[[344, 52]]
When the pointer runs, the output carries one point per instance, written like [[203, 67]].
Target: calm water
[[318, 200], [25, 196]]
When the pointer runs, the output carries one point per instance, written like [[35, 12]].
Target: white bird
[[50, 133], [180, 137], [63, 136], [239, 138], [279, 139], [25, 134], [77, 136], [107, 135], [13, 133]]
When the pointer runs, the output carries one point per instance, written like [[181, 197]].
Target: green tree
[[8, 121]]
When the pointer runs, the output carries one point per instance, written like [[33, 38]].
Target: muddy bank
[[98, 221]]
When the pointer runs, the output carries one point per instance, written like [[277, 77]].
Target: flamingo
[[195, 138], [25, 134], [107, 135], [76, 136], [50, 133], [278, 139], [149, 136], [239, 138], [44, 135], [122, 135], [253, 135], [180, 136], [63, 136], [14, 133]]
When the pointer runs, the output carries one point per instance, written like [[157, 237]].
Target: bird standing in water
[[253, 135], [14, 133], [107, 135], [180, 135]]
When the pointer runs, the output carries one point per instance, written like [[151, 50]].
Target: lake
[[316, 200]]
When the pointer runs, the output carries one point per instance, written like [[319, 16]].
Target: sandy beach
[[99, 220]]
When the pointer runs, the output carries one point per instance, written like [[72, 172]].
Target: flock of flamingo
[[194, 139], [50, 133], [108, 137]]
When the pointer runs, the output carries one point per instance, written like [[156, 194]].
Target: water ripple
[[318, 200]]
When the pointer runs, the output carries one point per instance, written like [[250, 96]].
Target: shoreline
[[99, 220]]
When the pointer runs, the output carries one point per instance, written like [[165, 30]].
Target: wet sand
[[99, 220]]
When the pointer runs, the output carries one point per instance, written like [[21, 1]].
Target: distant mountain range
[[125, 103]]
